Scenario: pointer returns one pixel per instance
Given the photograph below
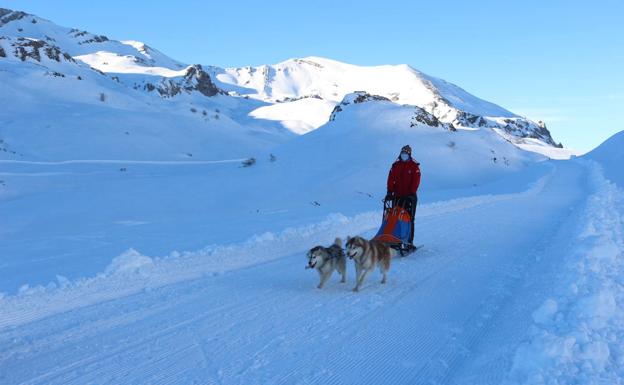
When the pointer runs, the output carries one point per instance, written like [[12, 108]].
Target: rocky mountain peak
[[8, 15]]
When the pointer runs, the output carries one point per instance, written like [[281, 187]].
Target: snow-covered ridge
[[610, 157], [295, 96], [330, 80], [301, 92], [75, 41]]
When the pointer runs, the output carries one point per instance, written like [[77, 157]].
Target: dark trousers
[[408, 203]]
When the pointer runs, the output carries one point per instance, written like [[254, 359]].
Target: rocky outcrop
[[355, 98], [88, 37], [8, 15], [524, 128], [195, 79], [423, 117], [466, 119], [289, 99], [37, 49], [516, 126]]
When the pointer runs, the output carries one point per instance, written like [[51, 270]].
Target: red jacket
[[404, 177]]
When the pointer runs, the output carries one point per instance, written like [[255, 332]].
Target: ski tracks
[[268, 324]]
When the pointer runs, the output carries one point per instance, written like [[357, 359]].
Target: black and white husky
[[327, 259]]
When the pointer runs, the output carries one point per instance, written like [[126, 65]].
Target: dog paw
[[355, 289]]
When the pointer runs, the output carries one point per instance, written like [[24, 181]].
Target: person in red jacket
[[403, 183]]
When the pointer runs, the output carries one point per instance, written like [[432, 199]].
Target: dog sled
[[396, 226]]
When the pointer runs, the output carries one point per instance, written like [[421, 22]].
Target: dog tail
[[338, 242]]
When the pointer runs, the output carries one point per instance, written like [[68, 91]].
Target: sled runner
[[397, 225]]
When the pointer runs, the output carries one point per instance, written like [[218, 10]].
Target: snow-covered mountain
[[169, 109], [319, 81], [58, 107]]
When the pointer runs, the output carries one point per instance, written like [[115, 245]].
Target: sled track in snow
[[37, 302], [442, 308]]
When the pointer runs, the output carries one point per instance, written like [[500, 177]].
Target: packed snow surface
[[154, 225], [518, 285]]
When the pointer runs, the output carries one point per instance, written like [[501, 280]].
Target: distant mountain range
[[71, 94]]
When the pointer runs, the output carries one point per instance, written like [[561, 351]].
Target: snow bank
[[610, 156], [132, 272], [578, 334]]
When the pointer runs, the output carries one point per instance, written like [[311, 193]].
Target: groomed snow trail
[[268, 324]]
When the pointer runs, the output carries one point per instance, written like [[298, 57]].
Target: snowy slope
[[339, 168], [295, 96], [136, 247], [49, 93], [459, 312], [610, 156], [77, 42], [305, 81], [332, 80]]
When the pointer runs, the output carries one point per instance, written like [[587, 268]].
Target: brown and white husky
[[367, 255]]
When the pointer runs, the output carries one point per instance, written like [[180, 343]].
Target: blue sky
[[559, 61]]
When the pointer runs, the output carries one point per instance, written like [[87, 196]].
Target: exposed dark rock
[[28, 49], [168, 88], [76, 33], [197, 79], [34, 49], [309, 62], [3, 13], [8, 15], [2, 52], [524, 128], [335, 112], [355, 98], [289, 99], [467, 119], [422, 116], [366, 97], [94, 39]]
